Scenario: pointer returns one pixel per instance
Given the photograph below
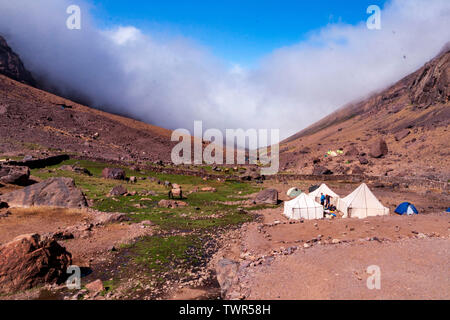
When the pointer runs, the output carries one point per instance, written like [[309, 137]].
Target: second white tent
[[303, 207]]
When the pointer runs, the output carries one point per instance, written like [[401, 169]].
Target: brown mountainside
[[412, 116], [34, 120]]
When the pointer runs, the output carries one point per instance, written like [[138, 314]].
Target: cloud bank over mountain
[[175, 81]]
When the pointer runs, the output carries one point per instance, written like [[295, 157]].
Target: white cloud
[[176, 81], [124, 35]]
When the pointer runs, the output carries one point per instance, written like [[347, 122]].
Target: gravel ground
[[410, 269]]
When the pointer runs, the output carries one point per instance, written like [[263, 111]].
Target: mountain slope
[[415, 110], [34, 120]]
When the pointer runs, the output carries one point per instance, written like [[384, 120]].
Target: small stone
[[95, 286]]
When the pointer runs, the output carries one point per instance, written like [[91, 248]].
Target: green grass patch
[[161, 254], [204, 210]]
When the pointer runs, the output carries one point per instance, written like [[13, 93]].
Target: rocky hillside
[[34, 121], [411, 118], [11, 65]]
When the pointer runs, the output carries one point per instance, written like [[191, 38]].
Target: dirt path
[[277, 231], [328, 259], [410, 269], [39, 220]]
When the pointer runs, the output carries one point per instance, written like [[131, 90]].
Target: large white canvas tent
[[303, 207], [361, 203], [326, 191]]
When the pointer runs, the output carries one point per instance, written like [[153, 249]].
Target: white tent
[[326, 191], [303, 207], [361, 203]]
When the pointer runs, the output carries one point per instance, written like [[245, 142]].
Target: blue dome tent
[[448, 210], [406, 208]]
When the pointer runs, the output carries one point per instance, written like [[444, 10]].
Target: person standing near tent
[[322, 199], [327, 201]]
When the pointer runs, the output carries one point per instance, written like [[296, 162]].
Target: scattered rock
[[26, 262], [63, 235], [226, 271], [133, 179], [171, 204], [113, 173], [363, 160], [402, 134], [147, 223], [118, 191], [305, 150], [321, 170], [14, 174], [95, 287], [252, 175], [208, 189], [268, 196], [378, 149], [352, 152], [102, 218], [5, 214], [176, 191], [53, 192], [76, 169], [357, 170]]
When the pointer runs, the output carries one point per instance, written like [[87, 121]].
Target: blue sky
[[239, 31]]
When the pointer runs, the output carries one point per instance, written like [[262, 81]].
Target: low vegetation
[[182, 233]]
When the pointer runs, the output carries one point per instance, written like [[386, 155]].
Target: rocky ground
[[274, 258], [84, 187], [120, 228], [285, 261], [411, 119]]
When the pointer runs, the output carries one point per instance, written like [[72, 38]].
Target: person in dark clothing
[[327, 201], [322, 199]]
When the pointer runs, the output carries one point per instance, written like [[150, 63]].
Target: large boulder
[[54, 192], [268, 196], [14, 174], [321, 170], [113, 173], [378, 149], [27, 262]]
